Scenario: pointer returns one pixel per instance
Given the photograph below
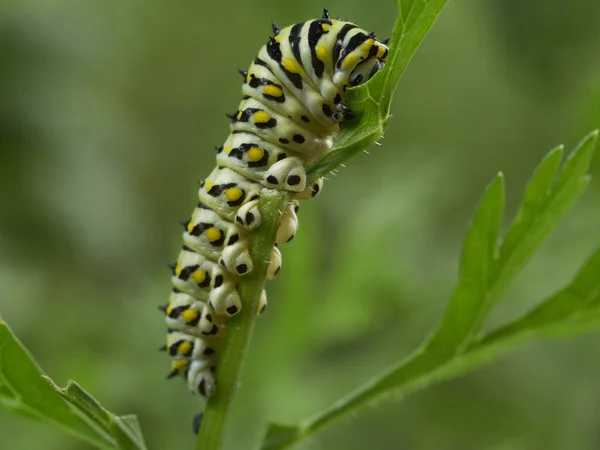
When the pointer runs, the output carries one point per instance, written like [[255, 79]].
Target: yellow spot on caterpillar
[[190, 226], [208, 185], [272, 90], [213, 234], [228, 149], [291, 65], [239, 115], [169, 309], [261, 117], [179, 365], [255, 154], [325, 26], [366, 47], [184, 347], [278, 38], [199, 276], [189, 315], [233, 194], [322, 52], [178, 269], [381, 51], [249, 77], [350, 61]]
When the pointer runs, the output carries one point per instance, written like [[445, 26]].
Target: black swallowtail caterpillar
[[293, 103]]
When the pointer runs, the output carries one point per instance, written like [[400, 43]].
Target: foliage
[[26, 391], [488, 266]]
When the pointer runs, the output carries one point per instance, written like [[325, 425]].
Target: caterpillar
[[293, 103]]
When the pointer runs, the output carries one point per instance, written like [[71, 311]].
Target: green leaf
[[23, 389], [568, 307], [125, 430], [544, 205], [573, 311], [485, 270], [279, 436], [25, 392], [371, 101], [415, 19], [469, 298]]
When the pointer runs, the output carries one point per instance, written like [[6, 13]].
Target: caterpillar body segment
[[183, 346], [263, 162], [262, 85], [206, 280], [193, 317], [218, 239], [293, 102], [280, 130], [225, 191]]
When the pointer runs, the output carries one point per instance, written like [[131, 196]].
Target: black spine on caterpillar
[[293, 101]]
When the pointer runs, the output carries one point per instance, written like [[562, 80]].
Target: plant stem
[[237, 340]]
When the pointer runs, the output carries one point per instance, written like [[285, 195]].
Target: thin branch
[[237, 341]]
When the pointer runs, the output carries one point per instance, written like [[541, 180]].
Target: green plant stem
[[237, 340]]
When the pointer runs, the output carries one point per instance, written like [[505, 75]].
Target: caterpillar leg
[[311, 191], [249, 215], [197, 422], [288, 174], [262, 304], [274, 264], [201, 379], [236, 258], [289, 223], [199, 374]]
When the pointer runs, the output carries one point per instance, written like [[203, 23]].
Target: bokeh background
[[108, 115]]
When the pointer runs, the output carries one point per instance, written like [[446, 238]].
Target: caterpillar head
[[365, 71], [361, 57]]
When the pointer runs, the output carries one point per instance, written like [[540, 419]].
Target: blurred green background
[[108, 115]]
